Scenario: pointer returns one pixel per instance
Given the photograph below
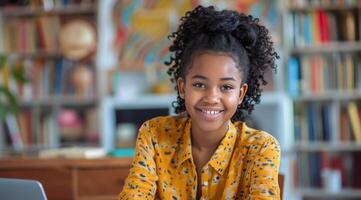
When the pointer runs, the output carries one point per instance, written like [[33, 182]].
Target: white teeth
[[211, 112]]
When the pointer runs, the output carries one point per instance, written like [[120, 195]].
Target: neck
[[207, 141]]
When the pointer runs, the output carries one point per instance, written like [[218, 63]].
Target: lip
[[210, 114]]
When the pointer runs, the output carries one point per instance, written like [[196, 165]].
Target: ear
[[242, 92], [180, 85]]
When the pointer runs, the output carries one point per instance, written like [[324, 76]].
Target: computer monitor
[[20, 189]]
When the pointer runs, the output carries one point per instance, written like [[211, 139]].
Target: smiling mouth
[[210, 114]]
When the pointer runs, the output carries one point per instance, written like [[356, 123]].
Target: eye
[[199, 85], [227, 87]]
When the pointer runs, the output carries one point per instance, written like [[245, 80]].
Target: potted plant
[[8, 101]]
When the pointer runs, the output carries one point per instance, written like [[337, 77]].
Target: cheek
[[189, 94], [192, 96], [232, 99]]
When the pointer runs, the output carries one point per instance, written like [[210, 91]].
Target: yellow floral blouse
[[244, 166]]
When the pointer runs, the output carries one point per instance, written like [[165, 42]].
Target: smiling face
[[212, 89]]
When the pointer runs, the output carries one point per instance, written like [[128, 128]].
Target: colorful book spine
[[320, 74], [293, 76], [355, 121], [319, 27]]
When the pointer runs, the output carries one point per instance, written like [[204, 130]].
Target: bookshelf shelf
[[329, 47], [325, 8], [37, 11], [321, 193], [329, 96], [60, 101], [26, 151], [326, 146]]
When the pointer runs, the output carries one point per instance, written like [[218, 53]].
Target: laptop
[[20, 189]]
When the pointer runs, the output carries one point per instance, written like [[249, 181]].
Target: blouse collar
[[220, 159]]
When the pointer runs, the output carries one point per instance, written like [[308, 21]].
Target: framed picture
[[142, 28]]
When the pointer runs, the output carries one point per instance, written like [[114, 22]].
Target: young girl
[[207, 152]]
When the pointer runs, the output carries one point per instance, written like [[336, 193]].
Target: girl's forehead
[[214, 65], [204, 56]]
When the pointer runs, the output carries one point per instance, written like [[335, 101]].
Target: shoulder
[[164, 126], [255, 139], [165, 122]]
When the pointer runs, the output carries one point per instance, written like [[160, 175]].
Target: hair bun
[[221, 24], [211, 21], [247, 35]]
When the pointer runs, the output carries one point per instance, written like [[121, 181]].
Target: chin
[[210, 126]]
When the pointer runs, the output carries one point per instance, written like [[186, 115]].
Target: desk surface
[[75, 179], [58, 162]]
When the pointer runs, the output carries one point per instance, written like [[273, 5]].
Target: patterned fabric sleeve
[[141, 181], [264, 174]]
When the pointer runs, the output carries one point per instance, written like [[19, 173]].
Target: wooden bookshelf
[[324, 48], [30, 42]]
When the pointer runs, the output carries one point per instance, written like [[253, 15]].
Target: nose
[[211, 96]]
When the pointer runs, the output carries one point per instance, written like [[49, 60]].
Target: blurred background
[[81, 76]]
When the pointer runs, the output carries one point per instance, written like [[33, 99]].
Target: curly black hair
[[204, 29]]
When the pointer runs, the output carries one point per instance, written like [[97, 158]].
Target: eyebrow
[[205, 78]]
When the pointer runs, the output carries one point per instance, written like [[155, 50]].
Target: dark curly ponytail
[[235, 34]]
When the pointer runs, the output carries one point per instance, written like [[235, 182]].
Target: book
[[349, 26], [307, 34], [14, 132], [326, 122], [315, 169], [73, 152], [355, 120], [344, 128], [356, 165], [312, 117], [349, 72], [320, 26], [293, 76], [333, 30], [323, 73]]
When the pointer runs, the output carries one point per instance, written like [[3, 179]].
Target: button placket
[[205, 183]]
